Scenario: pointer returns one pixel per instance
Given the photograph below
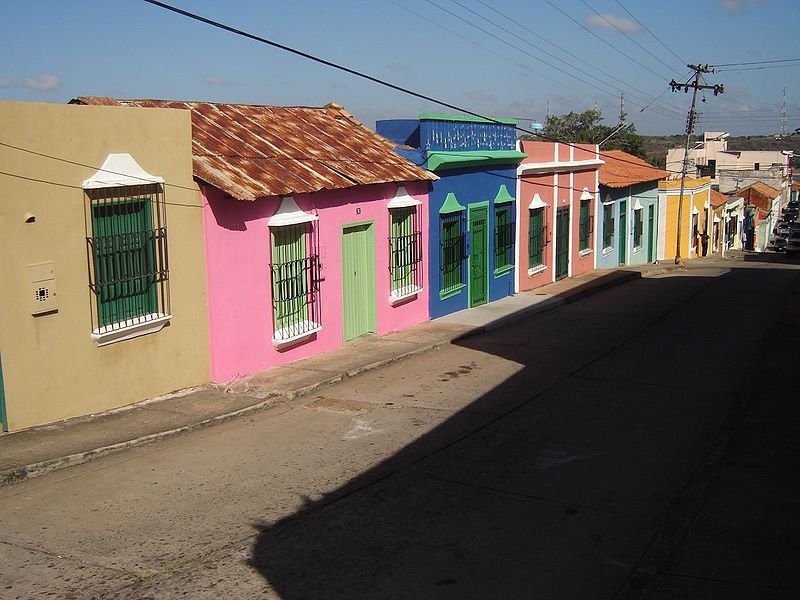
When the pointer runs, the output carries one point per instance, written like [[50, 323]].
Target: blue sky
[[509, 58]]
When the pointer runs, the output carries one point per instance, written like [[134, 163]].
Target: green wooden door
[[358, 280], [478, 256], [3, 415], [651, 233], [623, 232], [562, 242]]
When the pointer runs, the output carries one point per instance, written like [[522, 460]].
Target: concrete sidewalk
[[39, 450]]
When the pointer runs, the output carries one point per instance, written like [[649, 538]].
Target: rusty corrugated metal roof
[[718, 198], [622, 169], [252, 151]]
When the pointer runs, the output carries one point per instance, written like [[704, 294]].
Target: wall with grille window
[[262, 301], [557, 212], [55, 365]]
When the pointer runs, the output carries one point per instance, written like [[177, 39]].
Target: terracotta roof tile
[[622, 169], [718, 198], [252, 151]]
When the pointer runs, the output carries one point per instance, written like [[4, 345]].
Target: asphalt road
[[634, 444]]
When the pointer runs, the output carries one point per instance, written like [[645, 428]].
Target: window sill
[[404, 294], [503, 270], [585, 252], [608, 250], [294, 334], [126, 330], [536, 270], [443, 295], [637, 249]]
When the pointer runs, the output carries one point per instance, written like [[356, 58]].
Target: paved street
[[638, 443]]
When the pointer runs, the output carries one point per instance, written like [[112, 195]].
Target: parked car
[[793, 241], [790, 214], [778, 242], [782, 228]]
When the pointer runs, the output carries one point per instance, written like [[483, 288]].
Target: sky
[[503, 58]]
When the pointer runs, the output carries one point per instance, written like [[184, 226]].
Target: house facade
[[556, 213], [627, 210], [315, 231], [472, 204], [695, 217], [762, 208], [104, 286]]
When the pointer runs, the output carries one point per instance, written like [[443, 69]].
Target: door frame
[[651, 237], [557, 240], [470, 209], [3, 413], [622, 252], [373, 324]]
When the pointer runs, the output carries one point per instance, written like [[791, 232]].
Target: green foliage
[[586, 128]]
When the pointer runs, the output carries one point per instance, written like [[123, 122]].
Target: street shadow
[[550, 484]]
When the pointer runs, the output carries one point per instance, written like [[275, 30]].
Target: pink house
[[557, 189], [315, 232]]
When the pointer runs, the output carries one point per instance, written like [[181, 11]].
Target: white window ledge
[[118, 332], [608, 250], [294, 334], [585, 252], [537, 269], [403, 294]]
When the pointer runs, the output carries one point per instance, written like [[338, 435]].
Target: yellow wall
[[52, 367], [696, 193]]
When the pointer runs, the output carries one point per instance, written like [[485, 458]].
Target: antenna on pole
[[784, 119], [621, 108]]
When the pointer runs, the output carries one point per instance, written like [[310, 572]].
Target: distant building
[[732, 170]]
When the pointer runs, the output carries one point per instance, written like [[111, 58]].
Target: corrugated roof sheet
[[718, 198], [252, 151], [622, 169]]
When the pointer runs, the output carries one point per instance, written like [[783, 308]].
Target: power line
[[564, 50], [607, 43], [680, 60], [614, 25], [757, 62], [347, 69]]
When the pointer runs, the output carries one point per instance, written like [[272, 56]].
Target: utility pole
[[784, 120], [621, 108], [690, 119]]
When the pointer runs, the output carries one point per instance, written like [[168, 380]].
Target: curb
[[22, 473]]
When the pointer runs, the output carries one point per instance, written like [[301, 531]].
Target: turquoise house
[[627, 211]]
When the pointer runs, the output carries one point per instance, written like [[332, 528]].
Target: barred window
[[405, 252], [638, 228], [585, 225], [608, 225], [295, 281], [128, 260], [503, 238], [453, 252], [536, 238]]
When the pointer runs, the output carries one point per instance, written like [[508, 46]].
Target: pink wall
[[530, 185], [560, 187], [239, 290]]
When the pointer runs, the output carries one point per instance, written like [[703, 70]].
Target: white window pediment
[[290, 214]]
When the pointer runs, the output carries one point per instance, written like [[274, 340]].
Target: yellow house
[[696, 218], [103, 282]]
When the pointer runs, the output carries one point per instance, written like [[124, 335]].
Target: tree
[[586, 128]]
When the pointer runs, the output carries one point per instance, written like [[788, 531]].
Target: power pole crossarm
[[693, 84]]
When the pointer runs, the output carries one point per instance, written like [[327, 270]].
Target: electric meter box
[[42, 283]]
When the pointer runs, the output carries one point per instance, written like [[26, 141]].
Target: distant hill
[[656, 146]]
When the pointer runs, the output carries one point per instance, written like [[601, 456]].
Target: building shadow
[[550, 484]]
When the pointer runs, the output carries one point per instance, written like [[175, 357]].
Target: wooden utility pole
[[694, 85]]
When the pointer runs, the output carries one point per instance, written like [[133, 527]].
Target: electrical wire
[[647, 104], [683, 62], [614, 25], [606, 42]]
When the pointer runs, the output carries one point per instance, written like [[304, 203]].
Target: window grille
[[453, 253], [536, 238], [608, 225], [405, 252], [585, 225], [295, 278], [127, 255], [503, 238]]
